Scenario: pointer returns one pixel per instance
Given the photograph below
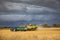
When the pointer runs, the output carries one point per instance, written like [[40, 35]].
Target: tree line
[[53, 25]]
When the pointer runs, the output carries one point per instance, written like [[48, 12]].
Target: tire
[[28, 29], [12, 29]]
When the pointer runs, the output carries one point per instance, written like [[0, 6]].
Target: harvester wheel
[[33, 29], [12, 29]]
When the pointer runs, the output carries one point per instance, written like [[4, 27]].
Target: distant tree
[[45, 25], [56, 25]]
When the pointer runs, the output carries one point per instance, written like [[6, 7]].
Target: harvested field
[[42, 34]]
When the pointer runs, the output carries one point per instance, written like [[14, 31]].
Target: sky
[[14, 12]]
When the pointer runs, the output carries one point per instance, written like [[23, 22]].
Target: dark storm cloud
[[26, 17], [23, 8], [37, 11], [40, 12], [48, 3]]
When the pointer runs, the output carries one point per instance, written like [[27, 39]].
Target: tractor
[[28, 27]]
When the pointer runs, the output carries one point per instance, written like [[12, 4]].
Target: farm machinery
[[29, 27]]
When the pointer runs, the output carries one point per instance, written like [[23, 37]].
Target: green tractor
[[29, 27]]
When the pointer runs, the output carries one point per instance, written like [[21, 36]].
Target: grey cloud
[[54, 4], [39, 9], [26, 17], [45, 17], [26, 8], [14, 6], [26, 0], [44, 9], [15, 17], [2, 7]]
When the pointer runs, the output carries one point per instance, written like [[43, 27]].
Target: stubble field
[[42, 34]]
